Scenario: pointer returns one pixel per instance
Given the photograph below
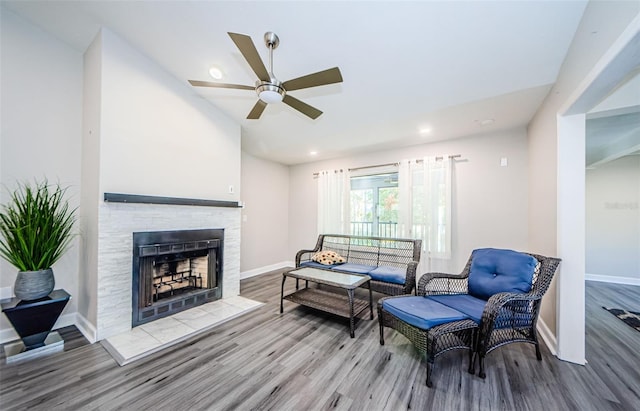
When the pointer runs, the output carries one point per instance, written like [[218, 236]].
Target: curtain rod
[[391, 164]]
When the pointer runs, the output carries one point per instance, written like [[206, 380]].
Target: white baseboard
[[266, 269], [86, 328], [9, 334], [549, 339], [612, 279]]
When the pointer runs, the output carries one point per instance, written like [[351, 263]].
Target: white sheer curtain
[[333, 202], [437, 206], [425, 208], [405, 198]]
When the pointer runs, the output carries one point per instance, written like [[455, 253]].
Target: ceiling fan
[[268, 87]]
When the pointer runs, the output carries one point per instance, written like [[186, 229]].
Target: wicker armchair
[[488, 317], [508, 317]]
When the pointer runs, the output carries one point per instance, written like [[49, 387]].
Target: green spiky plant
[[36, 226]]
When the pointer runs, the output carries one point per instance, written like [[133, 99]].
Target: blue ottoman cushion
[[494, 271], [421, 312], [464, 303], [387, 274]]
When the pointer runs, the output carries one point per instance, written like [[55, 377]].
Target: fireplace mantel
[[145, 199]]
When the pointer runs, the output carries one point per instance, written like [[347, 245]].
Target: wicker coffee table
[[343, 305]]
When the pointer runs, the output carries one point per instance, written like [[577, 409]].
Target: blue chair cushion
[[421, 312], [387, 274], [495, 271], [465, 303], [314, 264], [353, 268]]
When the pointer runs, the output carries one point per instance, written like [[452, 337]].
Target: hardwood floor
[[305, 360]]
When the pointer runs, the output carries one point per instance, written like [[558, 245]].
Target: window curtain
[[333, 202], [405, 200], [437, 206], [425, 207]]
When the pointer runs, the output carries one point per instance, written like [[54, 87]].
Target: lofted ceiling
[[441, 67]]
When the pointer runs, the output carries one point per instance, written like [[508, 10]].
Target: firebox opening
[[174, 271], [179, 273]]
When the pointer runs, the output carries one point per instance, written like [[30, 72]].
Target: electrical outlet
[[504, 162]]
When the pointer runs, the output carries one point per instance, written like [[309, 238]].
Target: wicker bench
[[390, 262]]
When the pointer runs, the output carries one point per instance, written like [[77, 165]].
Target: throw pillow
[[328, 258]]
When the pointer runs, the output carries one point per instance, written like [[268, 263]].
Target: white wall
[[265, 216], [490, 202], [158, 137], [147, 133], [613, 220], [41, 128], [600, 26]]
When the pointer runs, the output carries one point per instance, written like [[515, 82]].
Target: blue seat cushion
[[354, 268], [421, 312], [465, 303], [387, 274], [314, 264], [495, 271]]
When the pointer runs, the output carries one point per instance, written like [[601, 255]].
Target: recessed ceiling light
[[425, 130], [215, 72], [485, 122], [313, 153]]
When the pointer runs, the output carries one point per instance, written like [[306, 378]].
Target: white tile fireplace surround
[[118, 222]]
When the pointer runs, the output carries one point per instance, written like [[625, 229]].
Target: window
[[374, 205]]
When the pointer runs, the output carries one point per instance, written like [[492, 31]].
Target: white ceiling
[[406, 65]]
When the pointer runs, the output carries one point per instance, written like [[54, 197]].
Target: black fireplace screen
[[174, 271]]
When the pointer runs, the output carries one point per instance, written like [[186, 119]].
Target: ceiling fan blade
[[302, 107], [320, 78], [248, 50], [257, 110], [198, 83]]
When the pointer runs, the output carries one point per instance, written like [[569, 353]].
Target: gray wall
[[265, 216], [601, 25], [613, 221], [41, 121], [490, 202]]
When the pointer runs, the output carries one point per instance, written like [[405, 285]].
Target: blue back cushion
[[494, 271]]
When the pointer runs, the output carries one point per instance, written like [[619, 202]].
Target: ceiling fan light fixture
[[270, 93], [215, 72]]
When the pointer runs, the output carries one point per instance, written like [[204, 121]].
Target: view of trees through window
[[374, 205]]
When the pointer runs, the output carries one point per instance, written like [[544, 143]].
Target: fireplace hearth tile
[[167, 329], [152, 337], [131, 344], [197, 318]]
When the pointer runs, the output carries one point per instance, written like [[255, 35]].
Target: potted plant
[[36, 227]]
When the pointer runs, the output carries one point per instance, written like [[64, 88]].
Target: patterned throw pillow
[[328, 258]]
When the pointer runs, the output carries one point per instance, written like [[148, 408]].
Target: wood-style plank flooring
[[305, 360]]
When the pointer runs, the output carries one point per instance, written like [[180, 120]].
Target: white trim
[[86, 328], [9, 334], [570, 311], [266, 268], [612, 279], [549, 339]]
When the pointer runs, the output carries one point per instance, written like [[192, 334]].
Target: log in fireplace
[[174, 271]]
